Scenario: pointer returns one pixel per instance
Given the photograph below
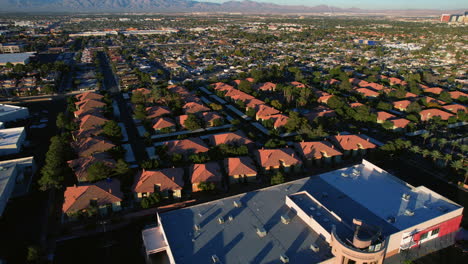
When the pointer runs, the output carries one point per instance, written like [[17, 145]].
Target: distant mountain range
[[164, 6]]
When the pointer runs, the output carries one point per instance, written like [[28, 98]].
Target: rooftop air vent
[[261, 232], [285, 219], [284, 258], [314, 248], [406, 197], [221, 220], [196, 227], [230, 218], [391, 219], [237, 203], [443, 209], [312, 208], [409, 212], [215, 259]]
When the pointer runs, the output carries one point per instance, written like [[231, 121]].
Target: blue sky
[[372, 4]]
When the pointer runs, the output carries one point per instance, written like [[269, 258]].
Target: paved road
[[110, 84]]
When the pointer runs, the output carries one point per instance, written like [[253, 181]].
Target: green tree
[[445, 96], [56, 167], [61, 121], [245, 86], [121, 168], [206, 186], [138, 98], [192, 122], [140, 112], [150, 164], [98, 171], [415, 149], [278, 178], [112, 130], [150, 201], [436, 155], [414, 107], [33, 254]]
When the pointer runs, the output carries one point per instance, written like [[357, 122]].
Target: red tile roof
[[268, 86], [143, 91], [170, 179], [265, 112], [186, 146], [163, 122], [89, 95], [280, 120], [230, 138], [401, 105], [383, 116], [352, 142], [240, 166], [457, 94], [356, 104], [92, 121], [427, 114], [192, 108], [211, 116], [181, 120], [254, 103], [89, 146], [79, 197], [208, 172], [434, 90], [222, 86], [80, 166], [428, 99], [367, 92], [275, 157], [400, 122], [317, 150], [157, 111], [454, 108]]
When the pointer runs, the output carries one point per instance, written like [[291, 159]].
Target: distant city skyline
[[368, 4]]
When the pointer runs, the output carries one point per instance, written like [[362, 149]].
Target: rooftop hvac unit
[[215, 259], [261, 232], [196, 227], [285, 219], [284, 258], [391, 219], [314, 248], [237, 203], [221, 220], [406, 197], [409, 212], [230, 218]]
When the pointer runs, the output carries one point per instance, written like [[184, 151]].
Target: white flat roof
[[10, 136], [154, 240], [382, 194], [8, 109], [6, 174], [15, 57]]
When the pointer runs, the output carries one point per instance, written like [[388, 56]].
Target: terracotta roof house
[[236, 95], [237, 138], [428, 100], [80, 134], [427, 114], [355, 104], [320, 111], [89, 107], [268, 86], [358, 82], [211, 117], [396, 81], [434, 90], [249, 79], [401, 105], [186, 146], [157, 111], [92, 121], [181, 120], [383, 116], [240, 169], [410, 95], [104, 195], [457, 94], [208, 172], [265, 112], [298, 84], [89, 104], [192, 108], [222, 86], [399, 123], [143, 91], [182, 91], [332, 82], [169, 182], [89, 95], [353, 144], [253, 104], [317, 152], [280, 120], [89, 146], [164, 124], [367, 92], [80, 166], [272, 159], [455, 108], [375, 86]]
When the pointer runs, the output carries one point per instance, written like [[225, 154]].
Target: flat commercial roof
[[10, 136], [15, 57], [363, 192], [382, 194], [6, 179]]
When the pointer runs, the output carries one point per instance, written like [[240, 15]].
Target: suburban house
[[187, 146], [169, 182], [318, 152], [265, 112], [399, 123], [212, 118], [207, 172], [401, 105], [268, 86], [80, 166], [455, 108], [457, 94], [92, 121], [192, 108], [240, 169], [273, 159], [383, 116], [164, 124], [104, 196], [157, 111], [427, 114], [88, 146], [89, 96], [353, 144], [237, 138]]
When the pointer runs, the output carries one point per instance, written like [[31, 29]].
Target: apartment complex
[[359, 214]]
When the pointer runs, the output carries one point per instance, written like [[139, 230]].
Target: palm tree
[[442, 143], [415, 149], [425, 137], [436, 155], [433, 141], [454, 144], [426, 152], [457, 165], [447, 158]]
